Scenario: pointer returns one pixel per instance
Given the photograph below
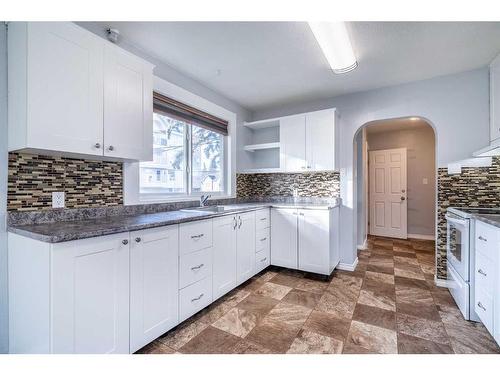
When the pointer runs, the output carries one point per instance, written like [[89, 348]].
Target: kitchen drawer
[[195, 236], [194, 267], [484, 308], [262, 219], [487, 239], [484, 274], [262, 260], [195, 297], [263, 239]]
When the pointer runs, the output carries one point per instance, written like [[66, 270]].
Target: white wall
[[3, 191], [456, 105]]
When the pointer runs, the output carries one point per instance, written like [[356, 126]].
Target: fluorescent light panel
[[333, 39]]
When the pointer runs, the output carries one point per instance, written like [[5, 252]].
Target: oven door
[[457, 245]]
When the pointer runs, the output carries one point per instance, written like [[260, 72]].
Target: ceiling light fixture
[[334, 40]]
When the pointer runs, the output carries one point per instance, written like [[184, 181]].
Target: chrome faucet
[[204, 199]]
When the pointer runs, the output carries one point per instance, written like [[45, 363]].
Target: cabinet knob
[[97, 145], [111, 148], [125, 242], [138, 239]]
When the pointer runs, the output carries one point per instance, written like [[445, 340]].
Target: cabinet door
[[314, 241], [65, 88], [224, 255], [128, 106], [154, 292], [495, 99], [90, 295], [320, 140], [284, 237], [245, 246], [292, 143]]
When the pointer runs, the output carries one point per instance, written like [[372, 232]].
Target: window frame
[[131, 183]]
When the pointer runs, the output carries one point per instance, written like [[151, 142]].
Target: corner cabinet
[[71, 92]]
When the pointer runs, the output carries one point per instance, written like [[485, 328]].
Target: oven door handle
[[455, 220]]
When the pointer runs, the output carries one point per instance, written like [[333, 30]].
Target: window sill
[[152, 200]]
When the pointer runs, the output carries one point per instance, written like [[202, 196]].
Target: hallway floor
[[389, 304]]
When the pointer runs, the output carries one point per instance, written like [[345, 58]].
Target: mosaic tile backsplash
[[319, 184], [474, 187], [86, 183]]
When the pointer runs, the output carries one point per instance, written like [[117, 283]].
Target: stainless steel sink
[[214, 209]]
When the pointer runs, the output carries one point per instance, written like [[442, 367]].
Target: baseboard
[[364, 246], [348, 266], [422, 236], [440, 282]]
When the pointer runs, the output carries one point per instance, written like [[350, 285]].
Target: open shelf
[[261, 146], [262, 124]]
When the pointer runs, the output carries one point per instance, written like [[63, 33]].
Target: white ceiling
[[384, 126], [266, 64]]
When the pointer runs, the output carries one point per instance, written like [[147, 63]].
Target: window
[[188, 156]]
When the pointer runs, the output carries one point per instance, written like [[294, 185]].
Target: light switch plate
[[58, 199], [425, 181]]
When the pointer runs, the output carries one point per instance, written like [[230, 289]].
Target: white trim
[[422, 236], [364, 246], [131, 193], [348, 266], [440, 282]]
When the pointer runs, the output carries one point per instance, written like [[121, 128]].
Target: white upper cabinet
[[292, 143], [55, 88], [72, 92], [308, 142], [128, 100], [495, 99]]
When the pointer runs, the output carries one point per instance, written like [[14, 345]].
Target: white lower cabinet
[[305, 239], [224, 255], [245, 246], [154, 292]]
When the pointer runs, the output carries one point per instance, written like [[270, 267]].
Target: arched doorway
[[395, 194]]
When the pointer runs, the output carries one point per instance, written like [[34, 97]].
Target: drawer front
[[486, 239], [262, 219], [484, 308], [483, 275], [262, 260], [263, 239], [195, 236], [194, 267], [194, 298]]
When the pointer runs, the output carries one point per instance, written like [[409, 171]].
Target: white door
[[320, 140], [388, 193], [154, 291], [245, 246], [224, 255], [284, 237], [292, 143], [128, 106], [65, 88], [90, 295], [314, 241]]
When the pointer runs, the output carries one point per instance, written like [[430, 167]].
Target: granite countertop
[[61, 231], [492, 219]]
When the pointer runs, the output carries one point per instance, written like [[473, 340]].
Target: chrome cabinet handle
[[263, 219], [138, 239], [235, 223], [263, 260], [480, 305], [241, 222], [197, 237], [482, 239], [301, 214], [263, 239], [481, 272], [97, 145], [125, 242], [197, 298], [111, 148], [197, 267]]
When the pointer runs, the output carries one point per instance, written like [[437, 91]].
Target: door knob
[[403, 198]]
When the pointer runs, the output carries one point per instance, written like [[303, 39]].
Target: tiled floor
[[389, 304]]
